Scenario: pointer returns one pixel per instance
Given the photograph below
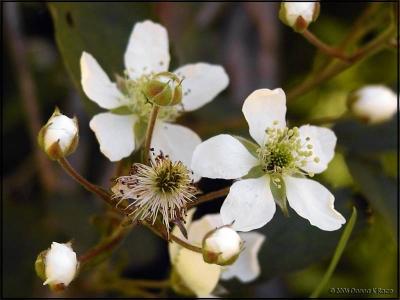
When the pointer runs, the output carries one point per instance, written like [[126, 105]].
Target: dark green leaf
[[379, 189], [101, 29], [367, 139]]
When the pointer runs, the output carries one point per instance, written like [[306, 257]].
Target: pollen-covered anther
[[285, 152], [162, 189]]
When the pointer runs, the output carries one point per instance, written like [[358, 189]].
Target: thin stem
[[112, 241], [336, 53], [161, 233], [85, 183], [210, 196], [374, 46], [149, 132], [338, 253]]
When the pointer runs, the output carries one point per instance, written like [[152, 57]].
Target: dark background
[[41, 204]]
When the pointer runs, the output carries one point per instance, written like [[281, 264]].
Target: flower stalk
[[149, 133], [84, 182], [210, 196]]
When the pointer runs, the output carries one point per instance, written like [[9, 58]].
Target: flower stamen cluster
[[284, 153], [162, 189]]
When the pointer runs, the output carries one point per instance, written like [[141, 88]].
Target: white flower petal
[[249, 204], [148, 49], [247, 267], [261, 109], [323, 141], [115, 134], [174, 247], [222, 156], [312, 201], [96, 84], [176, 141], [200, 277], [60, 264], [201, 227], [201, 83]]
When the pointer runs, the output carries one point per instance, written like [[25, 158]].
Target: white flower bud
[[222, 246], [60, 265], [373, 103], [59, 137], [299, 15]]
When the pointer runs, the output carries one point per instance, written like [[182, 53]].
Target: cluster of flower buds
[[60, 136], [222, 246], [373, 104], [57, 266], [164, 89], [299, 15]]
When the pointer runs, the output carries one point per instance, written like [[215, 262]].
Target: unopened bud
[[222, 246], [164, 89], [59, 137], [299, 15], [373, 104], [57, 266]]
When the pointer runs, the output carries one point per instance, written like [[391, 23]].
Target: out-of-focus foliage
[[295, 254]]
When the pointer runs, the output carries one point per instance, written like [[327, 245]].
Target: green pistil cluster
[[138, 104], [284, 153]]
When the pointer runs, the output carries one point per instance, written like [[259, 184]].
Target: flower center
[[162, 189], [283, 152], [138, 103]]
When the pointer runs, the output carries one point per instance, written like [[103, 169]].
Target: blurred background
[[41, 47]]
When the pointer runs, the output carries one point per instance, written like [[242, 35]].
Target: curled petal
[[312, 201]]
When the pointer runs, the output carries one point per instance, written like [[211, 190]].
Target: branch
[[27, 89]]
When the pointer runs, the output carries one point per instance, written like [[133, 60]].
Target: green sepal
[[122, 110], [250, 146], [255, 172], [40, 265], [279, 193]]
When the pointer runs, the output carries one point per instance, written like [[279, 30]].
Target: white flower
[[60, 264], [221, 246], [164, 187], [202, 278], [120, 131], [299, 14], [278, 163], [59, 137], [373, 103]]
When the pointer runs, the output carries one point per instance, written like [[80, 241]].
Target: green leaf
[[338, 253], [250, 146], [379, 189], [367, 139], [293, 243], [101, 29]]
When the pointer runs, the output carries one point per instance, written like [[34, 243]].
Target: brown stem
[[336, 53], [210, 196], [149, 133], [158, 230], [85, 183], [375, 45], [111, 243], [27, 89]]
